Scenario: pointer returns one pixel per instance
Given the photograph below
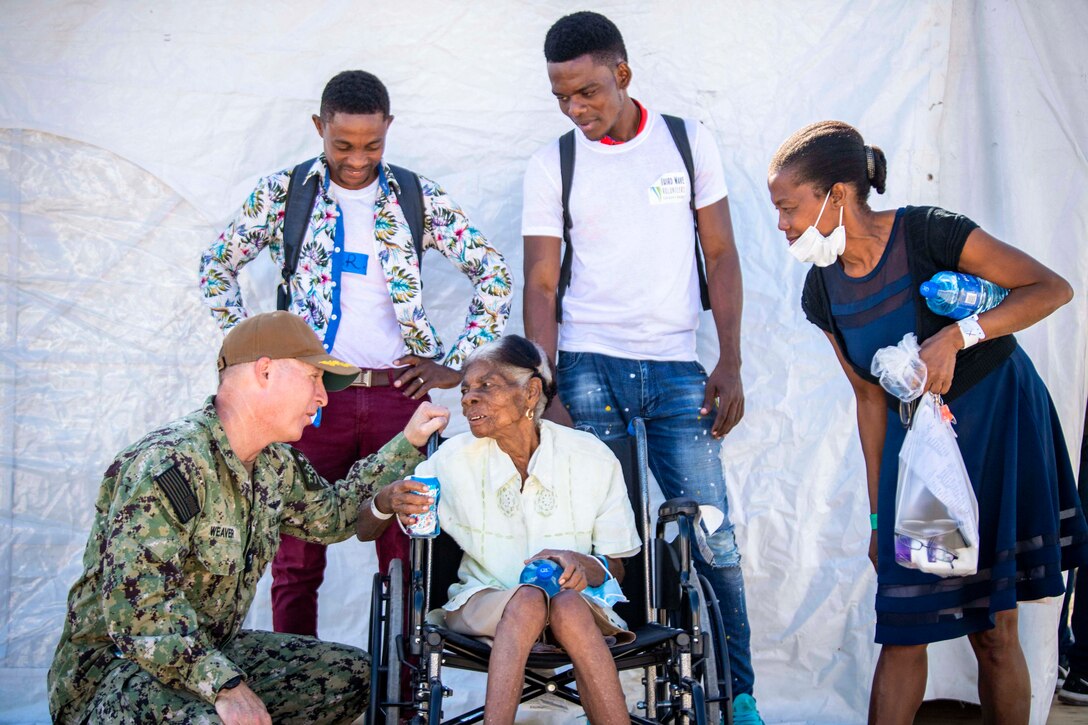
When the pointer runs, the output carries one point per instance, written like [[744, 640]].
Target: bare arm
[[872, 422], [726, 301], [542, 261], [616, 569], [369, 527], [1035, 291], [541, 272]]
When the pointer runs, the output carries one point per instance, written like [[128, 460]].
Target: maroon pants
[[355, 423]]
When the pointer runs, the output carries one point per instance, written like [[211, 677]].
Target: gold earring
[[530, 414]]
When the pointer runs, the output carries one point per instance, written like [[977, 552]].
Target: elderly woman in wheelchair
[[518, 489]]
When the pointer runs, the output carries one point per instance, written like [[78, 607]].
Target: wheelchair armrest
[[673, 559], [674, 508]]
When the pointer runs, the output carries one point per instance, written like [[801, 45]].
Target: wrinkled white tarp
[[129, 133]]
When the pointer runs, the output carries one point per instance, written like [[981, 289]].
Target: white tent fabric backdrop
[[130, 133]]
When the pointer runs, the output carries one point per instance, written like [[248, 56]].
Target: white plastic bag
[[936, 512], [901, 371]]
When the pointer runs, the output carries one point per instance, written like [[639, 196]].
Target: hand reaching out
[[427, 420]]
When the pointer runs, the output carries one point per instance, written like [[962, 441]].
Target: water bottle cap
[[928, 289]]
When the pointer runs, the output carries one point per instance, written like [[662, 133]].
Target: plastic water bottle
[[958, 295], [543, 573]]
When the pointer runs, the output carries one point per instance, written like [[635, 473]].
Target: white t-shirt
[[369, 335], [634, 289]]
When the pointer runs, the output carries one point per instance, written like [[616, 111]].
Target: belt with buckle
[[369, 378]]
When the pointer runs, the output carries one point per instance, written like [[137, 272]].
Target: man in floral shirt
[[357, 284], [185, 523]]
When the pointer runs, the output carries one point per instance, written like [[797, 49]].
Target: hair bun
[[878, 177]]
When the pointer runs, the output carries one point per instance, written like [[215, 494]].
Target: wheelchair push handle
[[683, 511], [432, 443], [674, 508]]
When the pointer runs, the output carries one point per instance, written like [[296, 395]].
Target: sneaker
[[745, 712], [1075, 689], [1063, 672]]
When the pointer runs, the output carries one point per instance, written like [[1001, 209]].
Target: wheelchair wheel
[[386, 624], [711, 669], [393, 631], [375, 645]]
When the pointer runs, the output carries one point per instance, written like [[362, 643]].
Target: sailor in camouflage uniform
[[186, 521]]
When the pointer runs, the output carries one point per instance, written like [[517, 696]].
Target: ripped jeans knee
[[719, 549]]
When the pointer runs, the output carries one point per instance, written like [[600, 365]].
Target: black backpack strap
[[566, 174], [680, 138], [411, 203], [301, 192]]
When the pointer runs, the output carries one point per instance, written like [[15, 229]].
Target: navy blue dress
[[1030, 522]]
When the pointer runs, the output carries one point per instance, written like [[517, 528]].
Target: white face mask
[[814, 248]]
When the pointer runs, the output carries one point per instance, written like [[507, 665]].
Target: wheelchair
[[680, 644]]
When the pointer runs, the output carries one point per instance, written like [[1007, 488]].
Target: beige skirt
[[480, 615]]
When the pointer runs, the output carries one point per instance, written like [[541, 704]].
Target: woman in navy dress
[[862, 291]]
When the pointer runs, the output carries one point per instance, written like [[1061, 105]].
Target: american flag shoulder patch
[[179, 493]]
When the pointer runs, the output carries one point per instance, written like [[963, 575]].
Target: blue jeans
[[603, 394]]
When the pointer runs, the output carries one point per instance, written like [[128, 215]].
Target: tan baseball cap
[[281, 335]]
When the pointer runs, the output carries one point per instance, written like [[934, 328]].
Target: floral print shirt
[[259, 224]]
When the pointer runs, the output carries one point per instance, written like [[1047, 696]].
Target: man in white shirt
[[629, 301]]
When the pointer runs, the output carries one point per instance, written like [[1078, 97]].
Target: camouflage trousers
[[299, 679]]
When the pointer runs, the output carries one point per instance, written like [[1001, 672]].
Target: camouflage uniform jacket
[[181, 535]]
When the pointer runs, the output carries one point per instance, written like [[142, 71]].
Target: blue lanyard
[[338, 258], [337, 265]]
